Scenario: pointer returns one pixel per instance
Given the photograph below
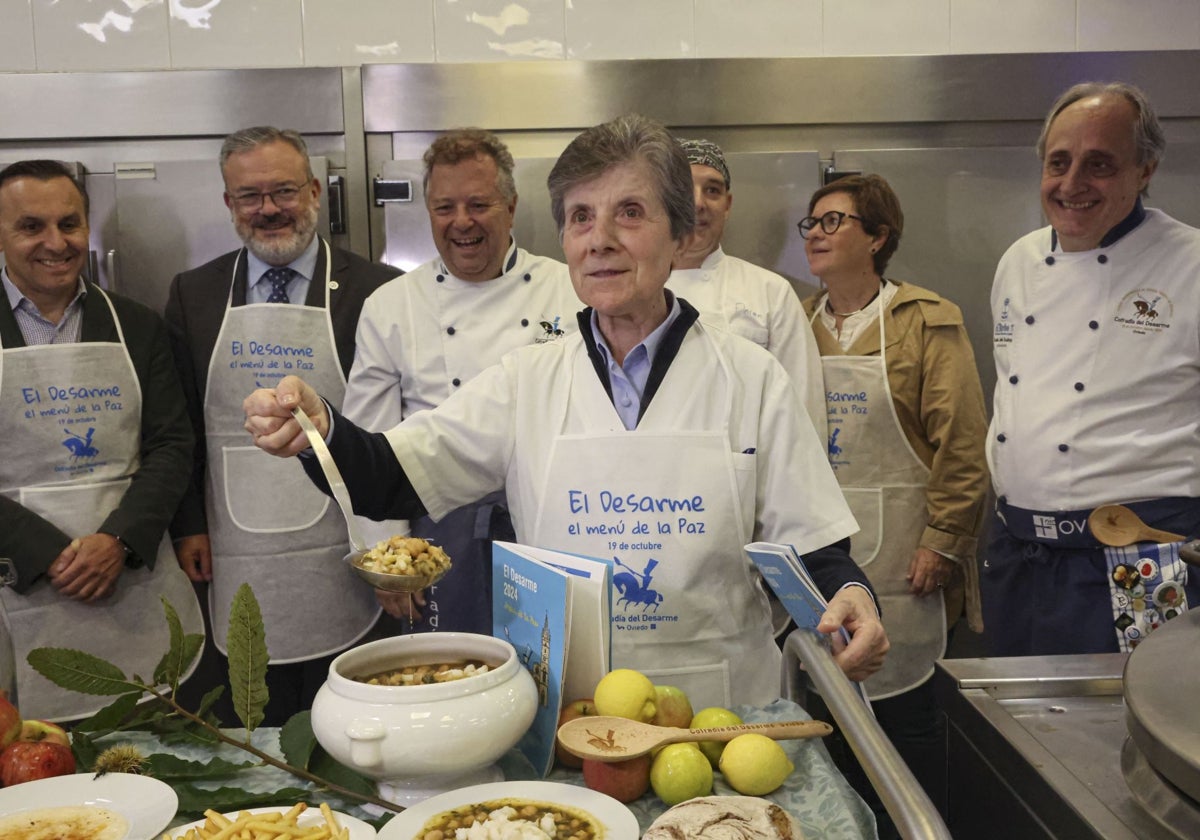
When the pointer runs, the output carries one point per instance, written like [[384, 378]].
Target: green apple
[[714, 717]]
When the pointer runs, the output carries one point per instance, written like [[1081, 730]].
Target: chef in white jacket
[[1098, 391], [645, 417], [423, 336], [739, 296]]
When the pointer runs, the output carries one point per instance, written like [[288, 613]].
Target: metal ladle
[[380, 580], [1118, 526]]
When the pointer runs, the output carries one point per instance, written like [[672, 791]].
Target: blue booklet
[[555, 609]]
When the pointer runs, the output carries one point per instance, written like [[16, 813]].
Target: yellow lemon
[[713, 717], [755, 765], [680, 772], [626, 693]]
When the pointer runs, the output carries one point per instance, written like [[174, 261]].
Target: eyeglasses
[[283, 197], [829, 223]]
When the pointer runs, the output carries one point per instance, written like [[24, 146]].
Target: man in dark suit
[[96, 440], [285, 303]]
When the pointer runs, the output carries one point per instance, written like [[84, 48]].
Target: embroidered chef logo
[[81, 447], [550, 330], [1145, 311], [1003, 331]]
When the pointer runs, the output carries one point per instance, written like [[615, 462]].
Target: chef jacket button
[[1049, 260], [1078, 386], [1062, 447], [456, 382], [1102, 259], [1028, 319], [1001, 438], [528, 277], [1095, 325], [441, 278], [524, 322], [1013, 379]]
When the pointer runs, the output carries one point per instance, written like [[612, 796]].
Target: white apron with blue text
[[70, 459], [884, 482], [268, 525], [688, 609]]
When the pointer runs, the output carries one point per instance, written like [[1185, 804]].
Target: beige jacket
[[939, 400]]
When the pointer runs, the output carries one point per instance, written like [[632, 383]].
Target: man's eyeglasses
[[829, 222], [283, 197]]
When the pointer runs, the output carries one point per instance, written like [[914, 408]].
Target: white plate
[[147, 804], [618, 821], [359, 830]]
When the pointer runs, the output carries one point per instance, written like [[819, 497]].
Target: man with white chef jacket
[[96, 439], [1098, 390], [739, 296], [423, 335], [287, 302]]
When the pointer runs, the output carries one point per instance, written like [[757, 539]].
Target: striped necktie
[[279, 279]]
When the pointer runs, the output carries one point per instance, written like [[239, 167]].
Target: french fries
[[274, 825]]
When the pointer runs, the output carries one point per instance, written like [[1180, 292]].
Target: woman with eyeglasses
[[906, 435]]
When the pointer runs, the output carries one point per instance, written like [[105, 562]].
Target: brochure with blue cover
[[555, 609]]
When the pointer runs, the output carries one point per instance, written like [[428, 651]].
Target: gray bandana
[[706, 153]]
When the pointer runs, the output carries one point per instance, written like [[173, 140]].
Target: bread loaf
[[725, 818]]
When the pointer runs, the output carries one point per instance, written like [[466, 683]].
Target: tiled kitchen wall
[[58, 35]]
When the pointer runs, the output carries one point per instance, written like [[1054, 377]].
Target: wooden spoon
[[1117, 525], [611, 739]]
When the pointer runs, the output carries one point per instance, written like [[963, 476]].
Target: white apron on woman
[[70, 458], [688, 610], [268, 525], [884, 483]]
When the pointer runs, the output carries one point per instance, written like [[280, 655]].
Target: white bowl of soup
[[425, 713]]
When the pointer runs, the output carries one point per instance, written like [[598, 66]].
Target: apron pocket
[[269, 495], [867, 506], [76, 509]]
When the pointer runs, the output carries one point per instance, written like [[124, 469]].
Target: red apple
[[574, 709], [10, 720], [624, 781], [674, 708], [26, 761], [42, 730]]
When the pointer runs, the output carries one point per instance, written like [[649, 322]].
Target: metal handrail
[[906, 802]]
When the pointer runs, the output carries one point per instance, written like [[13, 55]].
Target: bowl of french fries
[[297, 822], [401, 564], [425, 713]]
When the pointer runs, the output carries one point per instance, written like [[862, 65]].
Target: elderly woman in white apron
[[906, 427], [643, 411]]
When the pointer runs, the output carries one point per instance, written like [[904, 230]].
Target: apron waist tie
[[1069, 528]]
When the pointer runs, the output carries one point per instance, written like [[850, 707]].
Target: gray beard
[[281, 251]]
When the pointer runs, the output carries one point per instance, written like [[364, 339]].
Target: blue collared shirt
[[36, 329], [628, 380], [304, 265]]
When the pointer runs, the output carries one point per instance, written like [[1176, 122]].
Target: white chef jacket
[[762, 306], [495, 433], [1098, 363], [423, 335]]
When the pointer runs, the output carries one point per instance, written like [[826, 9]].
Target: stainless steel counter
[[1035, 751]]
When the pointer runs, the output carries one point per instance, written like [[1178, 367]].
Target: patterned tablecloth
[[815, 793]]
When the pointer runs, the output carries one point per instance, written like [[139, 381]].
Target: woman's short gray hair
[[1148, 135], [625, 139]]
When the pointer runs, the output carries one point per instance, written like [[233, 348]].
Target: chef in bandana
[[690, 436], [1097, 392], [95, 447]]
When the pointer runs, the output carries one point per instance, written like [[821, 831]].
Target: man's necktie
[[279, 279]]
